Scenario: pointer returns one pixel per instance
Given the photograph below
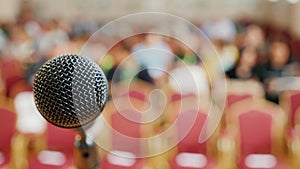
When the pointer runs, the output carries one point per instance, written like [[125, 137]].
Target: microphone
[[70, 92]]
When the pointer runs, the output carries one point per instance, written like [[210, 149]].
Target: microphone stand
[[86, 155]]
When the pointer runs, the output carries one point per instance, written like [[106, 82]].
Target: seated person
[[246, 67], [277, 67]]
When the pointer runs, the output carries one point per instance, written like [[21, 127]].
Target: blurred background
[[257, 42]]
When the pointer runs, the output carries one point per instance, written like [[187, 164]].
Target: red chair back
[[255, 132], [126, 131], [11, 72], [290, 102], [60, 139], [59, 152], [233, 98], [7, 129], [177, 96], [135, 94], [258, 126], [295, 103], [190, 128]]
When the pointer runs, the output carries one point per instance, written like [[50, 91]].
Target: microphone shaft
[[86, 155]]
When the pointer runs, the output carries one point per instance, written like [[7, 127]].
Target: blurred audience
[[246, 65], [279, 58], [220, 28], [154, 55], [247, 51]]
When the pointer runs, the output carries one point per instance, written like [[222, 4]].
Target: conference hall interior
[[194, 84]]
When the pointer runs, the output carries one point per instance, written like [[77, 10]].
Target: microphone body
[[70, 92]]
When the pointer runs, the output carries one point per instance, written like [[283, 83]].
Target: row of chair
[[252, 134]]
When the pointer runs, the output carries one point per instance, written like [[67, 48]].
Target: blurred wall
[[9, 9], [295, 19], [195, 10], [280, 13]]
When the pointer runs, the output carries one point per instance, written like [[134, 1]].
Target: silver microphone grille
[[70, 91]]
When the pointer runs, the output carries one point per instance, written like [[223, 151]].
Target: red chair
[[290, 102], [125, 144], [11, 72], [59, 152], [258, 127], [124, 127], [295, 104], [179, 103], [238, 90], [135, 89], [177, 96], [135, 94], [233, 98], [7, 130], [18, 87], [191, 154]]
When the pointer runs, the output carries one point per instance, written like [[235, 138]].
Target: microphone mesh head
[[70, 91]]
